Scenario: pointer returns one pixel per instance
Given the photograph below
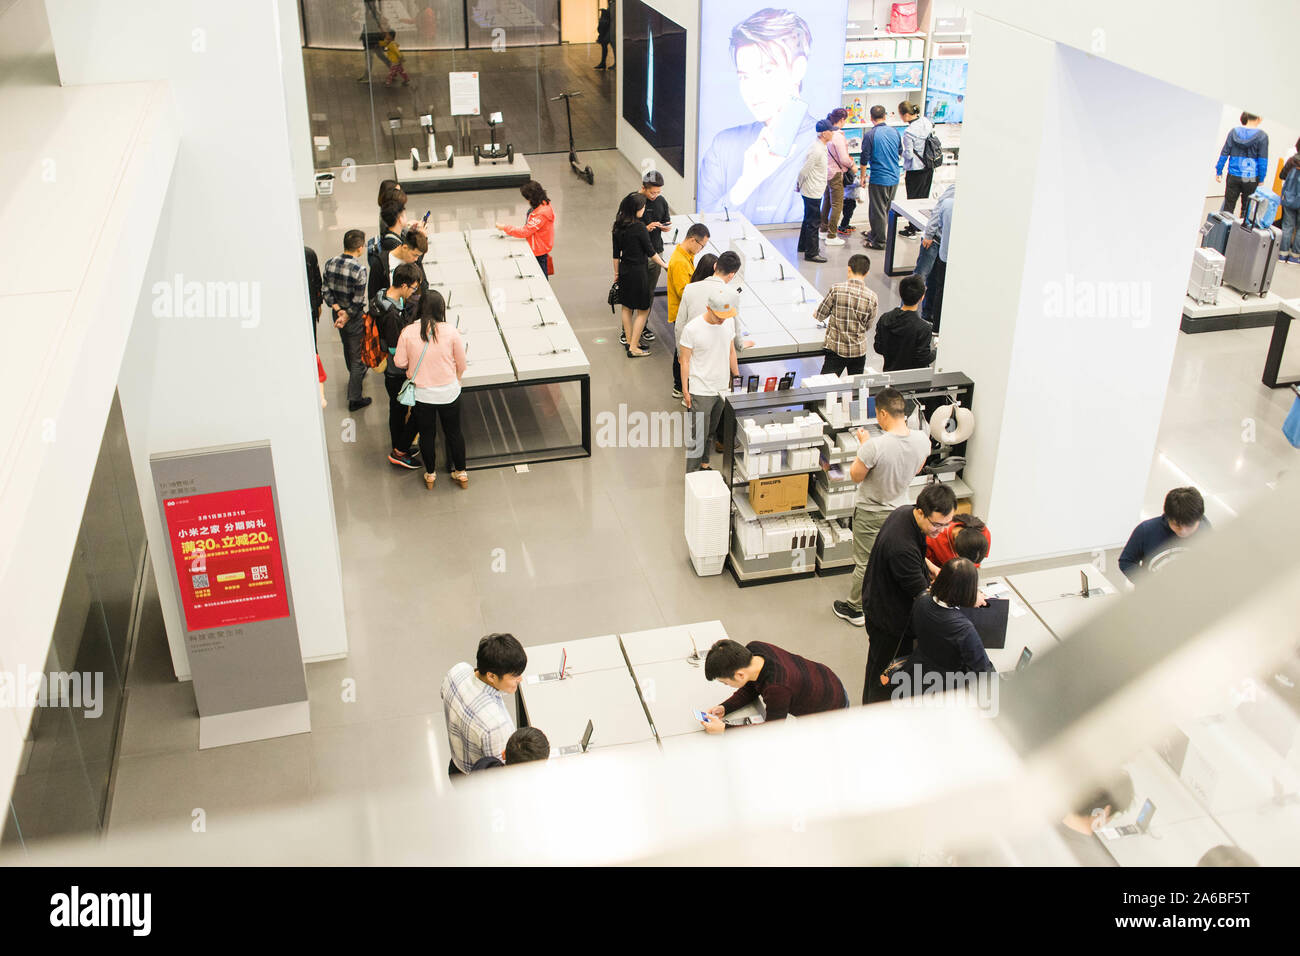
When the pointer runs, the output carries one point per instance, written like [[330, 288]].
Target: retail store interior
[[1090, 377]]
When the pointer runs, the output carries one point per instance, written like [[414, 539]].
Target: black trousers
[[932, 304], [879, 654], [917, 182], [834, 363], [1236, 186], [401, 427], [352, 358], [604, 52], [541, 261], [427, 417], [812, 215], [850, 207]]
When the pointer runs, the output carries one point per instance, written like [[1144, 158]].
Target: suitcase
[[1207, 276], [1214, 234], [1251, 256]]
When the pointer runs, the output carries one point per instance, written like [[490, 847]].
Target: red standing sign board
[[226, 548]]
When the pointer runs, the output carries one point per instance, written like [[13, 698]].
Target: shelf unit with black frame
[[924, 387]]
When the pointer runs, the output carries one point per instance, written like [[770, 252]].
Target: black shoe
[[647, 335], [404, 460], [874, 245], [622, 339], [815, 258], [847, 612], [357, 406]]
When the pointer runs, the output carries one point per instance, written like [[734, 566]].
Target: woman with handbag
[[632, 253], [539, 228], [434, 354], [947, 647]]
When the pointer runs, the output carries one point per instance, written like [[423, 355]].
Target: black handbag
[[613, 298]]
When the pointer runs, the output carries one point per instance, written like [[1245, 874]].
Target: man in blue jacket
[[1159, 539], [1245, 153], [882, 151]]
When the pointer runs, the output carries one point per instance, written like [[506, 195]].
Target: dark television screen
[[654, 80]]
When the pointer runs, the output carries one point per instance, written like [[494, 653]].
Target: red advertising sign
[[226, 548]]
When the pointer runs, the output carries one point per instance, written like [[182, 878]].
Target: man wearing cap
[[812, 185], [707, 348]]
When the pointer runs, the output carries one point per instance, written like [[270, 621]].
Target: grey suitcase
[[1252, 255], [1214, 234]]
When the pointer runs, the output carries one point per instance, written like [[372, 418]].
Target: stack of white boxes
[[708, 507], [775, 533], [1207, 276]]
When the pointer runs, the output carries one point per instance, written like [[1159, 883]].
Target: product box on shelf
[[774, 495]]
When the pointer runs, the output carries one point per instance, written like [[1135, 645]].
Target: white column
[[1077, 207], [295, 99], [194, 380]]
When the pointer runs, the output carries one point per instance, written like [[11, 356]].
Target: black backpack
[[931, 154]]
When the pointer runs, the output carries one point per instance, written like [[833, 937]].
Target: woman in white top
[[433, 355], [917, 177]]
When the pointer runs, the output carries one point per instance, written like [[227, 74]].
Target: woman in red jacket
[[966, 537], [539, 230]]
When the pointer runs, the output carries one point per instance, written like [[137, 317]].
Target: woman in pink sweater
[[539, 230], [433, 354]]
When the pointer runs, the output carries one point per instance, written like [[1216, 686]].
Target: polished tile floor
[[563, 550]]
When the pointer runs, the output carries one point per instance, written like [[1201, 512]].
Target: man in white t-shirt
[[708, 356]]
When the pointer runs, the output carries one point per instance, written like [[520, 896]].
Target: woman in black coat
[[948, 650], [632, 251], [604, 28]]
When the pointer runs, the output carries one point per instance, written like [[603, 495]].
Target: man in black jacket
[[903, 338], [392, 312], [896, 575]]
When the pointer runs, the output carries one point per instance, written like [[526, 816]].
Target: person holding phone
[[790, 685], [632, 251], [539, 229], [658, 220], [750, 168], [433, 355]]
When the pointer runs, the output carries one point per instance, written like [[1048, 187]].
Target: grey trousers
[[881, 197], [702, 420], [866, 525]]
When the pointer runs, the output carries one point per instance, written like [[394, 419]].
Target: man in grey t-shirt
[[884, 469]]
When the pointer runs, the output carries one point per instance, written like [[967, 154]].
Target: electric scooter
[[448, 160], [492, 152], [584, 172]]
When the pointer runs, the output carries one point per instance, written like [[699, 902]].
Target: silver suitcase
[[1251, 255]]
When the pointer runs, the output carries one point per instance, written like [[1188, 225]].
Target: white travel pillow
[[951, 424]]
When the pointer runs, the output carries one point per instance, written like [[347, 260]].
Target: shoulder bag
[[406, 396]]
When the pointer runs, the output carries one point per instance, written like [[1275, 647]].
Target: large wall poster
[[767, 74]]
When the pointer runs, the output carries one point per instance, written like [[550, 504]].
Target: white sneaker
[[835, 242]]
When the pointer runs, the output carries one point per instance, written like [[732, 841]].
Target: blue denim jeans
[[1290, 222], [925, 257]]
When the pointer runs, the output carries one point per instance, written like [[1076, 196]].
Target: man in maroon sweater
[[788, 683]]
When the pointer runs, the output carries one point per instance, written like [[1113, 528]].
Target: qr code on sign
[[259, 573], [199, 580]]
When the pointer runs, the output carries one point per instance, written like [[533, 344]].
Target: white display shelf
[[886, 89]]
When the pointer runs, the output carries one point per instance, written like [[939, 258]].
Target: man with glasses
[[884, 468], [896, 576]]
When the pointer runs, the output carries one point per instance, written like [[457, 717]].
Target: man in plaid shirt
[[345, 293], [848, 311], [473, 701]]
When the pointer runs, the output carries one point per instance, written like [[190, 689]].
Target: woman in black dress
[[632, 251]]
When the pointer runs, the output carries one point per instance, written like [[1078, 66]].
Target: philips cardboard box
[[773, 495]]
